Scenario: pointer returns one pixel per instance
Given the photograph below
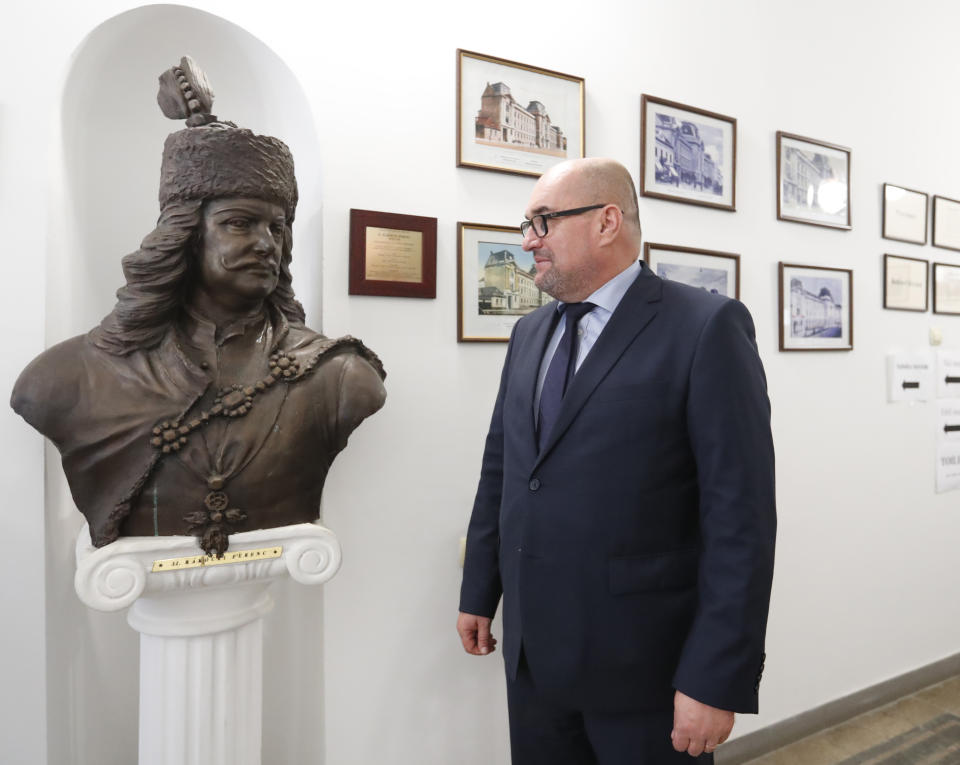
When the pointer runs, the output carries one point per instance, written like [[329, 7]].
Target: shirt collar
[[609, 295], [203, 333]]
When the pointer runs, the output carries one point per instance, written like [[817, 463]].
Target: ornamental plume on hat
[[211, 158]]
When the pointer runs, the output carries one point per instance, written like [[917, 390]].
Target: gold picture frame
[[515, 118]]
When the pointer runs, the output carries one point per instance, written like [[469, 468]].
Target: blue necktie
[[561, 369]]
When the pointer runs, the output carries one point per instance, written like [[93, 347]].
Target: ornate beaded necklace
[[172, 434], [212, 523]]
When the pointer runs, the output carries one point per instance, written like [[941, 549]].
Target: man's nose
[[530, 240]]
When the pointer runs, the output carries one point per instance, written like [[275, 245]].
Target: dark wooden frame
[[644, 100], [926, 291], [793, 219], [696, 251], [527, 68], [360, 220], [780, 303], [926, 214], [934, 238], [933, 278]]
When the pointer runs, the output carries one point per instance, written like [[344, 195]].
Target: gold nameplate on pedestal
[[197, 561]]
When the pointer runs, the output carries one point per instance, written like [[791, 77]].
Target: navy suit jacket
[[634, 552]]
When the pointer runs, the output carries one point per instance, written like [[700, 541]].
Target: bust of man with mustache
[[202, 404]]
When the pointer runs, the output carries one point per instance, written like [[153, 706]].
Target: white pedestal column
[[201, 631]]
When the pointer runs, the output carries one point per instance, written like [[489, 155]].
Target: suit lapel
[[635, 311]]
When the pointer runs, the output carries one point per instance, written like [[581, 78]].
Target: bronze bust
[[202, 404]]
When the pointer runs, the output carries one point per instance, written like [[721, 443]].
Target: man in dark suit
[[626, 510]]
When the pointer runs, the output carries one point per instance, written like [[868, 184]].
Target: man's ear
[[611, 222]]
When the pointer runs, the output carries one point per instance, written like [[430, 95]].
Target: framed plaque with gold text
[[393, 255]]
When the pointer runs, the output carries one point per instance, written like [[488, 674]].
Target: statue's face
[[241, 249]]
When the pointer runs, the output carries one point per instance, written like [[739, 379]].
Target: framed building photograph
[[813, 181], [904, 214], [710, 270], [687, 154], [946, 223], [816, 308], [494, 282], [946, 288], [393, 255], [905, 285], [515, 118]]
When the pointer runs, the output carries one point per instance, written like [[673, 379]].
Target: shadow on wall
[[113, 133]]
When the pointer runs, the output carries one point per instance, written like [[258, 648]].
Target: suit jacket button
[[534, 484]]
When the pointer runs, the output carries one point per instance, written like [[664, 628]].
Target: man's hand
[[475, 634], [698, 728]]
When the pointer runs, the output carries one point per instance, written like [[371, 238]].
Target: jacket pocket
[[674, 570]]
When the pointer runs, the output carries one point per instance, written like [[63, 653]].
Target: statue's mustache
[[256, 263]]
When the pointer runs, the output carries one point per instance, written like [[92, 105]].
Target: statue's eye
[[277, 230], [239, 223]]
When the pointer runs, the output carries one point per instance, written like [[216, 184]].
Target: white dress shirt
[[606, 299]]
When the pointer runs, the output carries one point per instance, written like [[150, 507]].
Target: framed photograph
[[946, 223], [905, 285], [393, 255], [816, 308], [687, 154], [709, 270], [946, 288], [813, 181], [904, 214], [494, 282], [514, 118]]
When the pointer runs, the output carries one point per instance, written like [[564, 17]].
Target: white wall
[[22, 601], [866, 549]]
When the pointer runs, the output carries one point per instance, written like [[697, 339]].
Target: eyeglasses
[[539, 222]]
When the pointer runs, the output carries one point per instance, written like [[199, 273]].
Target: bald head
[[600, 180]]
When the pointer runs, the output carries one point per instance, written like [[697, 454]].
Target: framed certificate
[[946, 288], [946, 223], [904, 214], [905, 283]]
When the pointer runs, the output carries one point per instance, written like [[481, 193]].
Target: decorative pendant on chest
[[210, 524]]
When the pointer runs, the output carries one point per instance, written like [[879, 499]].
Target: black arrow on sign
[[952, 379], [910, 385], [949, 428]]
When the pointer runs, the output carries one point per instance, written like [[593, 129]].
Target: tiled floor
[[854, 736]]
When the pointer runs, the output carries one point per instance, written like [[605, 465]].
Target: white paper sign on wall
[[948, 374], [948, 445], [909, 376]]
